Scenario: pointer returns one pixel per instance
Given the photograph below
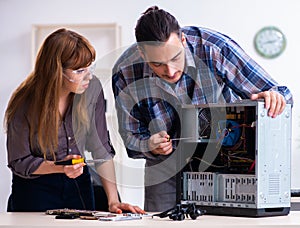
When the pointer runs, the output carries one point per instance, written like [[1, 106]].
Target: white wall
[[239, 19]]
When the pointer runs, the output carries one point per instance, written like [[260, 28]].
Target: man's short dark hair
[[156, 25]]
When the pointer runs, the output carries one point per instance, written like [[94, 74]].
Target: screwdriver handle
[[72, 161]]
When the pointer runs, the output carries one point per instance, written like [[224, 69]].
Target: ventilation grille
[[237, 188], [274, 184], [200, 186]]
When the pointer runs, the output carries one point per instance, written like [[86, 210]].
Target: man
[[169, 66]]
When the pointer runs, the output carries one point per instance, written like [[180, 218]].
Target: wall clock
[[269, 42]]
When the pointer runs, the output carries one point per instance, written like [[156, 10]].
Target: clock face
[[269, 42]]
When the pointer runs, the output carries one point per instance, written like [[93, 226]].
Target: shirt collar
[[189, 59]]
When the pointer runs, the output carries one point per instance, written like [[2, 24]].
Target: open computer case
[[234, 159]]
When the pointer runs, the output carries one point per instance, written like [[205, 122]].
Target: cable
[[79, 193], [210, 164]]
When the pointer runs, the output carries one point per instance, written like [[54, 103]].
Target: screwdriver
[[177, 139], [72, 161]]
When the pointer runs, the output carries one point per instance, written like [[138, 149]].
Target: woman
[[56, 114]]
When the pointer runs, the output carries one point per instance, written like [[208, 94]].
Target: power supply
[[234, 159]]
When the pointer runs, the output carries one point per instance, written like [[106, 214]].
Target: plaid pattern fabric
[[216, 70]]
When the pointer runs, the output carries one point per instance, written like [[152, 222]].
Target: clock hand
[[270, 41]]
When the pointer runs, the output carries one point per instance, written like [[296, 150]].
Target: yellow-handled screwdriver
[[72, 161]]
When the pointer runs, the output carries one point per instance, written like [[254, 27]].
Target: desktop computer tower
[[234, 159]]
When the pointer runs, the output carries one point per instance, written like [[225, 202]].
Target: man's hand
[[274, 102], [159, 143]]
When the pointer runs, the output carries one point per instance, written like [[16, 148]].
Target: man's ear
[[183, 40], [141, 52]]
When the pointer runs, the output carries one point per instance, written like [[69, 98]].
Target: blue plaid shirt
[[216, 70]]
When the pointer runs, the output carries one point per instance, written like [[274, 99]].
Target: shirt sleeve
[[133, 130], [243, 75], [98, 141], [21, 159]]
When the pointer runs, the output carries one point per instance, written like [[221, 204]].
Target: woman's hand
[[106, 172], [73, 171], [118, 208]]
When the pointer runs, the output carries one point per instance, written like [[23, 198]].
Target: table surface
[[36, 219]]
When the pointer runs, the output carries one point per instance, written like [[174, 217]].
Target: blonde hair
[[39, 92]]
